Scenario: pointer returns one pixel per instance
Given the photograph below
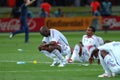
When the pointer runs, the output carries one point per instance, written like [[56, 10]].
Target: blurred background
[[70, 7], [12, 3], [67, 8]]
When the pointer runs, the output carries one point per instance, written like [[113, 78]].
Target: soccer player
[[55, 46], [23, 21], [83, 50], [109, 58]]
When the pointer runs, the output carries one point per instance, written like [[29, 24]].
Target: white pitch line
[[8, 61], [27, 71]]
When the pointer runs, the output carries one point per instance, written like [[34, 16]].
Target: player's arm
[[94, 53], [54, 45], [29, 2], [80, 43]]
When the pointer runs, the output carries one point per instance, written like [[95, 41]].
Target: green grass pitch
[[9, 55]]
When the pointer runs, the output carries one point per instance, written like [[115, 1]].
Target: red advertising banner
[[13, 24], [113, 22]]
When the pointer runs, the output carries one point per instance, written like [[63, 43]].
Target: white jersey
[[113, 48], [90, 44], [56, 36], [60, 39], [100, 41], [93, 41]]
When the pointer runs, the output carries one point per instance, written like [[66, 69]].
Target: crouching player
[[55, 45], [109, 58]]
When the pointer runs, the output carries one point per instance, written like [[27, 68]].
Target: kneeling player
[[109, 58]]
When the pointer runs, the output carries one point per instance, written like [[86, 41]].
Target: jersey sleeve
[[100, 40], [44, 39]]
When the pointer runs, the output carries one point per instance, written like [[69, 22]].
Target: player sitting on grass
[[90, 41]]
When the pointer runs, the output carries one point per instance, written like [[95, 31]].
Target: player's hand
[[91, 60], [40, 48]]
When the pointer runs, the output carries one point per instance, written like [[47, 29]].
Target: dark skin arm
[[49, 47], [53, 45], [43, 46], [94, 53]]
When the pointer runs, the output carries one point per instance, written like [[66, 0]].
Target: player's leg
[[66, 52], [63, 61], [26, 35], [107, 72], [112, 64], [46, 51], [17, 32], [75, 55], [85, 56], [87, 53], [47, 54], [52, 56]]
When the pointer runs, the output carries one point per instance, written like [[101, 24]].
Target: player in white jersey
[[90, 41], [109, 58], [55, 46]]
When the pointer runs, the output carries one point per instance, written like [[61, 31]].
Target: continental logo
[[68, 23], [61, 23]]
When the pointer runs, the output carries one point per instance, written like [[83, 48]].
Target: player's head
[[44, 31], [92, 28], [90, 31]]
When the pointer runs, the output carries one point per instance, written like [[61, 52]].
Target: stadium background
[[80, 9], [80, 15]]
